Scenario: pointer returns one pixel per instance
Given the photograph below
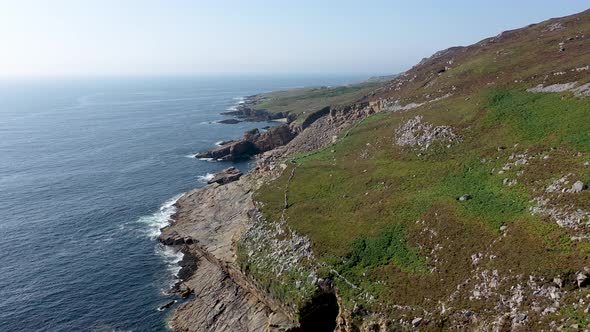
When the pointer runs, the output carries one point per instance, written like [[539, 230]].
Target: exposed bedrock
[[226, 176], [246, 112], [207, 225], [251, 144]]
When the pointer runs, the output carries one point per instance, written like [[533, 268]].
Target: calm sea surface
[[89, 170]]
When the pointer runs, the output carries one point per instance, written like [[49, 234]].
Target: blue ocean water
[[89, 170]]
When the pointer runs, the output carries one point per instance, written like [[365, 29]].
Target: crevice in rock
[[321, 313]]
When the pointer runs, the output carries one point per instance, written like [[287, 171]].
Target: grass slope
[[387, 219], [304, 101]]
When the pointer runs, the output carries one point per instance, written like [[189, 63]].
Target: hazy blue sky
[[169, 37]]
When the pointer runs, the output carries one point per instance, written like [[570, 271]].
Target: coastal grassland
[[304, 101], [548, 118], [576, 315], [388, 219]]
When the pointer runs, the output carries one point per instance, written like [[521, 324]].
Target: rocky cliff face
[[207, 225], [251, 144]]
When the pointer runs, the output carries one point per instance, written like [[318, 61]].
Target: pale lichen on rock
[[416, 133]]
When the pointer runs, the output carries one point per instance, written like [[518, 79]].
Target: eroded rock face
[[221, 304], [253, 143], [214, 218]]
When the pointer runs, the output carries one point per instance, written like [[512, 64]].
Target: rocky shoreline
[[210, 221], [207, 225], [245, 111]]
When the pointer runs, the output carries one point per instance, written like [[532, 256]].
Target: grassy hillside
[[303, 101], [460, 210]]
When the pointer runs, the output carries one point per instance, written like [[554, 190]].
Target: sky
[[61, 38]]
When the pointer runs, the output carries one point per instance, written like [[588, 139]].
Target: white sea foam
[[219, 143], [205, 178], [154, 222], [192, 155], [171, 257], [208, 159], [234, 107], [160, 218]]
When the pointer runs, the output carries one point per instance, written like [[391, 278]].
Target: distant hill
[[383, 78]]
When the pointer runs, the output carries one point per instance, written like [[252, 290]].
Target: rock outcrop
[[229, 121], [251, 144], [224, 299], [226, 176], [416, 133], [247, 112]]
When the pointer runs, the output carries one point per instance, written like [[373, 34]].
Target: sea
[[89, 173]]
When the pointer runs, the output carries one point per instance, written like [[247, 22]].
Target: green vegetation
[[386, 222], [388, 246], [305, 101], [576, 316], [552, 118], [283, 287], [359, 200], [491, 202]]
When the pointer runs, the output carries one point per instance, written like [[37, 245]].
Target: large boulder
[[578, 186], [226, 176]]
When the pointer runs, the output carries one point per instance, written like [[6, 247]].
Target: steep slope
[[453, 197]]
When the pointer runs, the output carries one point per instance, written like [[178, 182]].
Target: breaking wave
[[205, 178]]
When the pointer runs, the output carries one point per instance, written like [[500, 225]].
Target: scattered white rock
[[580, 91], [416, 133], [273, 246], [416, 321], [557, 26], [578, 186], [520, 318], [464, 198], [564, 216], [395, 106], [508, 182], [553, 88]]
